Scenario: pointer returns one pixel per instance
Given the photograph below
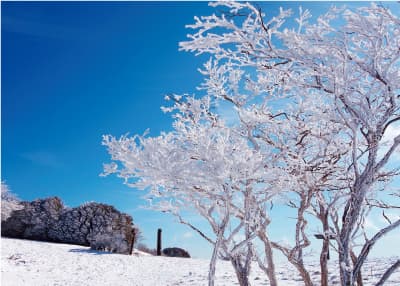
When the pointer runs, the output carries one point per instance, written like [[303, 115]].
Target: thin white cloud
[[42, 158], [370, 225], [188, 234]]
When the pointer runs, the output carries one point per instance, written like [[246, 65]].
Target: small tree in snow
[[9, 202]]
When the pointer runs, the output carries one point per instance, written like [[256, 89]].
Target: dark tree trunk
[[323, 259], [324, 256], [242, 272], [354, 260], [304, 274]]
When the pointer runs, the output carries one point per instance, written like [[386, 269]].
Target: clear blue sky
[[72, 72]]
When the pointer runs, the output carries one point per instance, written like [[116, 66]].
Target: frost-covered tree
[[351, 58], [313, 108], [205, 166]]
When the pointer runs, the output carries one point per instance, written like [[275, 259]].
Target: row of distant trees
[[314, 125]]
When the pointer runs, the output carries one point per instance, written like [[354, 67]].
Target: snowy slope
[[26, 262]]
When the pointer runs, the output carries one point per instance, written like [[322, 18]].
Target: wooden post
[[132, 241], [159, 242], [326, 238]]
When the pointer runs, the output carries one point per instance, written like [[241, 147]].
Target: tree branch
[[390, 122], [195, 229], [368, 246], [388, 272], [389, 153]]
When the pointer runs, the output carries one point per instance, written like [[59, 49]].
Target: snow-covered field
[[25, 262]]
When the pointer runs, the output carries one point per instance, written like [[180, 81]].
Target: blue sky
[[72, 72]]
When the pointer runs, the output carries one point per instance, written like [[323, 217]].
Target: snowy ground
[[35, 263]]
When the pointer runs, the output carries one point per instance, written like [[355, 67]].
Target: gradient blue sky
[[73, 71]]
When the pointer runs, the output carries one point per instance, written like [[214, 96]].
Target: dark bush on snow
[[99, 226]]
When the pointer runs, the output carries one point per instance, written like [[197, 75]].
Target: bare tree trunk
[[296, 254], [213, 262], [323, 260], [349, 221], [242, 262], [242, 271], [354, 206], [345, 273], [219, 231], [303, 273], [298, 264], [359, 277], [324, 256], [270, 269]]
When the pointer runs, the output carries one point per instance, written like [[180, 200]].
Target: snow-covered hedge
[[99, 226]]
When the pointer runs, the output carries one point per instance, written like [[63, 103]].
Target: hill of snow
[[25, 262]]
